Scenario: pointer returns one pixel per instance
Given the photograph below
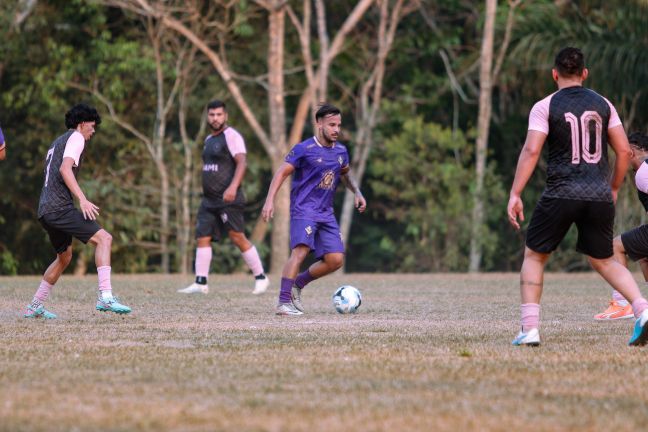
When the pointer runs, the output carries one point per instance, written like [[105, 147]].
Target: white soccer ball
[[347, 299]]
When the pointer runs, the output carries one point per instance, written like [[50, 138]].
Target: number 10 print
[[582, 140]]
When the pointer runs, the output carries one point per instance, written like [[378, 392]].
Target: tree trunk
[[277, 110], [483, 125]]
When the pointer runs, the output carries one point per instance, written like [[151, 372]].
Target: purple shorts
[[322, 237]]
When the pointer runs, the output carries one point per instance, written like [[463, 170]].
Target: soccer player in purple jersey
[[222, 206], [577, 124], [318, 165], [62, 221], [2, 146], [633, 243]]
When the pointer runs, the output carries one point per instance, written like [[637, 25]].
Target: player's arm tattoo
[[350, 183]]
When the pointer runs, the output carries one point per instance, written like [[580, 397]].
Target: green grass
[[425, 352]]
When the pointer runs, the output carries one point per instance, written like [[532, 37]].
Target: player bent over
[[221, 209], [577, 124], [62, 221], [633, 243], [318, 165]]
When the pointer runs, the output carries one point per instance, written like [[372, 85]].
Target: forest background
[[435, 98]]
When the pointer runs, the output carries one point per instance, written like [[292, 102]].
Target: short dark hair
[[80, 113], [639, 140], [216, 103], [569, 62], [326, 110]]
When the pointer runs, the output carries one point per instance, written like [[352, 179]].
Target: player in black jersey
[[221, 209], [633, 243], [577, 124], [62, 221]]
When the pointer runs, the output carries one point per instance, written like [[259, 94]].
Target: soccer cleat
[[530, 338], [288, 309], [261, 285], [39, 312], [112, 305], [295, 294], [195, 288], [615, 312], [640, 334]]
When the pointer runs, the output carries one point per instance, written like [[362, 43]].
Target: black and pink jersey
[[219, 166], [641, 182], [55, 195], [576, 121]]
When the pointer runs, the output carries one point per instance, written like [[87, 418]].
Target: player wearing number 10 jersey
[[62, 221], [577, 125]]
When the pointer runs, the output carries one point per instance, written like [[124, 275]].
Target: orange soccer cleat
[[614, 312]]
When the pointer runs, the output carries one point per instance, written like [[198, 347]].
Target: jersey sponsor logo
[[340, 160], [210, 167], [327, 180]]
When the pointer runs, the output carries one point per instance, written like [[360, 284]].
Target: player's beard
[[329, 138], [218, 128]]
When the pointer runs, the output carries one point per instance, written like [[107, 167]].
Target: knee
[[617, 245], [600, 264], [65, 258], [105, 238], [335, 261], [238, 238]]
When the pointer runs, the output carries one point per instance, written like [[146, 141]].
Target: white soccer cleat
[[195, 288], [530, 338], [261, 285], [288, 309]]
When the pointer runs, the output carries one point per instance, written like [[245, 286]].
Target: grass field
[[426, 352]]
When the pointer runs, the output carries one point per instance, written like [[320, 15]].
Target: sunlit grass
[[425, 352]]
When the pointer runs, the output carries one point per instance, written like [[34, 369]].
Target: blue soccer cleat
[[530, 338], [640, 334], [112, 305], [39, 312]]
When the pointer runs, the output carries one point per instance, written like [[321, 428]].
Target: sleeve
[[235, 142], [295, 156], [345, 159], [614, 116], [641, 178], [539, 116], [74, 147], [2, 142]]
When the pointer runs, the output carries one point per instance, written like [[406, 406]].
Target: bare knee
[[102, 238], [334, 260], [617, 246], [600, 264], [239, 239], [65, 258]]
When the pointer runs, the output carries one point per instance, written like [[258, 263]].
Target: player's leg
[[297, 256], [619, 308], [595, 240], [234, 222], [549, 223], [106, 302], [62, 243], [206, 228]]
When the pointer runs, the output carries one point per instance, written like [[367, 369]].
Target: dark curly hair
[[639, 140], [80, 113], [569, 62], [325, 110]]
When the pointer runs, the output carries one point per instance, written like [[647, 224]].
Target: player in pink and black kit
[[62, 221], [633, 243], [222, 206], [577, 124], [317, 165], [2, 146]]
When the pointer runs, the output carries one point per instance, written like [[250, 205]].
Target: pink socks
[[41, 294], [252, 259], [203, 259], [530, 316], [639, 305]]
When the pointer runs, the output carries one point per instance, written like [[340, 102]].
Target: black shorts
[[553, 217], [635, 242], [62, 225], [217, 221]]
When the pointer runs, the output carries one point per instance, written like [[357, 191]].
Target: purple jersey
[[1, 139], [316, 177]]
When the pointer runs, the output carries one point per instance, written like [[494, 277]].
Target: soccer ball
[[347, 299]]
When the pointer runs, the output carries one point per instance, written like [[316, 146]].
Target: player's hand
[[229, 195], [268, 211], [89, 210], [515, 210], [360, 203]]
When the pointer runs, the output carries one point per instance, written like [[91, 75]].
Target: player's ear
[[585, 74], [554, 74]]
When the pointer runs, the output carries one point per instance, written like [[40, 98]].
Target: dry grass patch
[[426, 352]]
